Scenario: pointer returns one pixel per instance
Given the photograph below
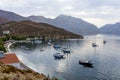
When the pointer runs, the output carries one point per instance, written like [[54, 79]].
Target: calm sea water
[[106, 58]]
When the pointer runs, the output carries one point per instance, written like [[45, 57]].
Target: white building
[[6, 32]]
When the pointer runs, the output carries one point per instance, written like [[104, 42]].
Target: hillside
[[69, 23], [11, 16], [3, 20], [8, 72], [72, 24], [111, 29], [29, 28]]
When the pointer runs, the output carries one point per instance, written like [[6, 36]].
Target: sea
[[105, 58]]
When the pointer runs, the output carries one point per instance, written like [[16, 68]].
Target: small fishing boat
[[94, 45], [66, 50], [58, 56], [56, 46], [86, 63], [41, 50], [104, 42], [23, 47], [49, 43], [37, 42]]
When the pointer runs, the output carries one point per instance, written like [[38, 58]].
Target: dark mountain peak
[[69, 23], [111, 29], [62, 16], [3, 20], [11, 16]]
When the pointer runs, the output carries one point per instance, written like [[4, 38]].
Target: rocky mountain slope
[[3, 20], [11, 16], [111, 29], [72, 24], [29, 28]]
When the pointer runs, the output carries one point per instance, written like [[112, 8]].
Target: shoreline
[[7, 46]]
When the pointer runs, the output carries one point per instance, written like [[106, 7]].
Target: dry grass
[[8, 72]]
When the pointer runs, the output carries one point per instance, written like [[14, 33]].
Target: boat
[[56, 46], [104, 42], [66, 50], [86, 63], [41, 50], [94, 45], [49, 43], [22, 47], [37, 42], [58, 56]]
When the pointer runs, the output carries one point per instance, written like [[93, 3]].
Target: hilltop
[[69, 23], [11, 16], [111, 29], [29, 28], [8, 72]]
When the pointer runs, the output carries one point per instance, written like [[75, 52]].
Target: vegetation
[[2, 48]]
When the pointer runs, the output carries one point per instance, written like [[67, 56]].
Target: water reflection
[[105, 57]]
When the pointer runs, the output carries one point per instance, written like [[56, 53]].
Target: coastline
[[22, 65], [7, 46]]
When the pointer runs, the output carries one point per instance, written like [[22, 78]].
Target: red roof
[[9, 58]]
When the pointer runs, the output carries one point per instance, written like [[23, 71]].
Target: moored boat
[[56, 46], [86, 63], [104, 42], [94, 45], [66, 50], [58, 56]]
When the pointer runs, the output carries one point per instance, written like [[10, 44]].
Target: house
[[6, 32], [10, 59]]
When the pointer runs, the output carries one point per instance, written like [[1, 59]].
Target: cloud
[[90, 10]]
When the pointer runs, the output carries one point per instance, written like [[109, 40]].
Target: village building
[[6, 32], [10, 59]]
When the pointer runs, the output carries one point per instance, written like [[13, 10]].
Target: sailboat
[[94, 44]]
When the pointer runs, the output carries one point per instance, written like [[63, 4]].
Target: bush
[[5, 78], [9, 69]]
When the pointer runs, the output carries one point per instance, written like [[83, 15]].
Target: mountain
[[68, 23], [3, 20], [29, 28], [111, 29], [72, 24], [39, 19], [11, 16]]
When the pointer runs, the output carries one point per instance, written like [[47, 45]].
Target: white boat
[[66, 50], [49, 43], [58, 56], [37, 41]]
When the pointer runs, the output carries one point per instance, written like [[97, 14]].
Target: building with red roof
[[10, 59]]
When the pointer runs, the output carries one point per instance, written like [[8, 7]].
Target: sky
[[98, 12]]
